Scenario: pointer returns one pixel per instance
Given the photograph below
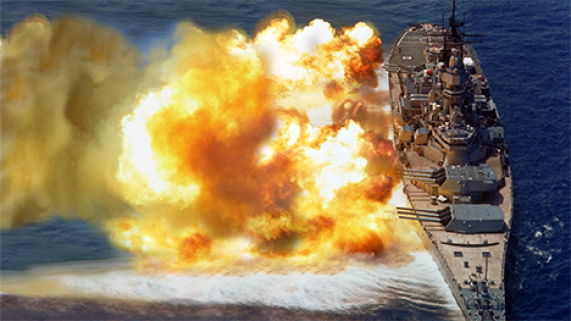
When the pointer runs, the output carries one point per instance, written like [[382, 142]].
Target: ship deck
[[458, 248], [409, 49], [462, 258]]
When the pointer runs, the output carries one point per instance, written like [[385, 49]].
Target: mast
[[452, 22]]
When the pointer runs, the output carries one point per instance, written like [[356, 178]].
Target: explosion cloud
[[195, 156], [61, 96]]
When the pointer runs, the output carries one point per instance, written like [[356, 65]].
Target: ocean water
[[526, 56]]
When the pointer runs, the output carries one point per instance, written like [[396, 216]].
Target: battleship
[[455, 161]]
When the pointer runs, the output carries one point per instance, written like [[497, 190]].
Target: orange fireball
[[215, 171]]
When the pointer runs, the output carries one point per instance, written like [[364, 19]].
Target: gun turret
[[456, 180], [460, 218]]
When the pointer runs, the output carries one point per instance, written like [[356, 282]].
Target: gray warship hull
[[450, 144]]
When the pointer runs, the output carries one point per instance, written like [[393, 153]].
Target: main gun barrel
[[419, 214], [418, 174], [421, 179], [419, 209], [438, 216], [420, 219], [416, 171]]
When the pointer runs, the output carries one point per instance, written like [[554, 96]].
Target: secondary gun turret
[[464, 218]]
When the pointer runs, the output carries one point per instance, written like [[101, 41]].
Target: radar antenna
[[456, 35]]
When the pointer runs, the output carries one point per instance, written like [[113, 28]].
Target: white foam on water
[[357, 286], [418, 284]]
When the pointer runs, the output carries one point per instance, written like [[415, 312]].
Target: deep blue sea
[[526, 56]]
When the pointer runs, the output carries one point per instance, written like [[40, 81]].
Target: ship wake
[[408, 291]]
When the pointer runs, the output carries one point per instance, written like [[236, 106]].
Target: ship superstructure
[[450, 142]]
